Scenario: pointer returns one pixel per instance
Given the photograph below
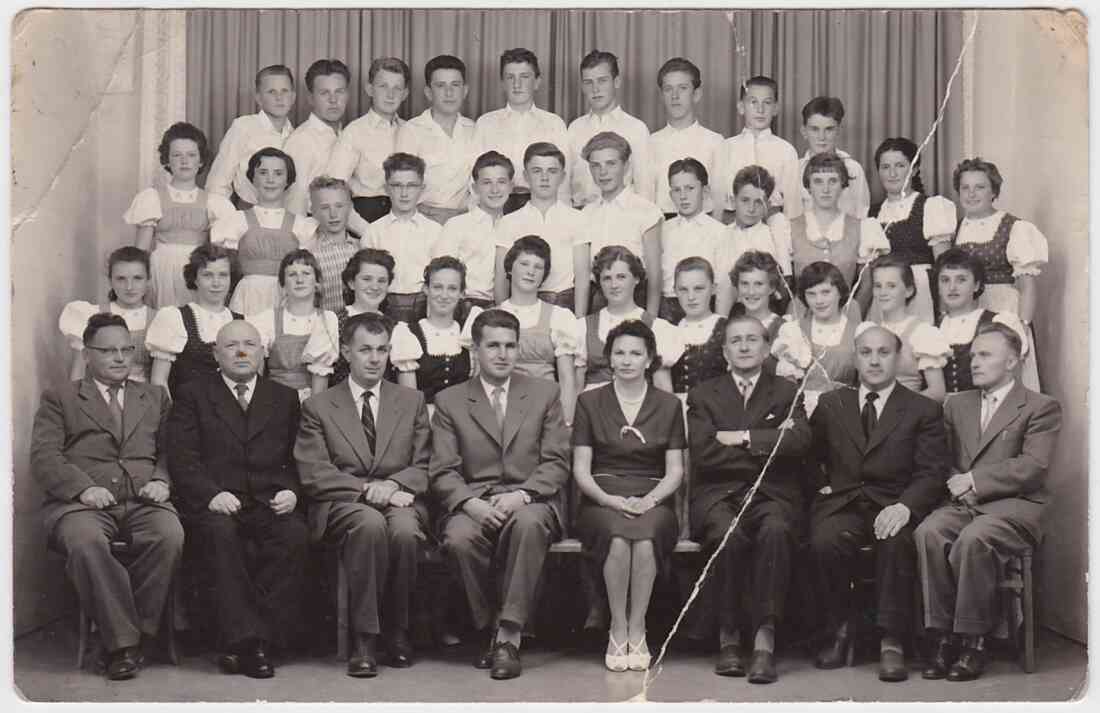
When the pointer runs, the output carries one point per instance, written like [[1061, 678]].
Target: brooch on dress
[[630, 429]]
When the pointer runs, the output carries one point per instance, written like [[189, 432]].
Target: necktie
[[498, 406], [746, 391], [990, 404], [115, 407], [242, 390], [870, 416], [368, 421]]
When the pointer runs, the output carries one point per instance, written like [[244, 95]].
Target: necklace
[[625, 400]]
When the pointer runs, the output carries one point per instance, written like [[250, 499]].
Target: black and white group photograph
[[548, 354]]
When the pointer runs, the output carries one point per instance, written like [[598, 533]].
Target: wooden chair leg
[[341, 608], [81, 636], [1029, 614]]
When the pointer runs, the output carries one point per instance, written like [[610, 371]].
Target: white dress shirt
[[762, 149], [736, 241], [411, 240], [992, 400], [104, 391], [561, 227], [745, 384], [583, 128], [490, 388], [310, 145], [247, 135], [672, 144], [472, 238], [359, 152], [621, 221], [248, 392], [855, 200], [880, 402], [357, 394], [510, 132], [700, 235], [449, 159]]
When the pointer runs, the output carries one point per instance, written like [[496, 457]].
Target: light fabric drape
[[890, 67]]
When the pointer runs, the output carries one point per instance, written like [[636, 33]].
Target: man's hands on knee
[[484, 514], [224, 503], [155, 491], [378, 493], [890, 520], [508, 503], [284, 502], [97, 497]]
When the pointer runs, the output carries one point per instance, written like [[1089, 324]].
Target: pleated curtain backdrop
[[890, 67]]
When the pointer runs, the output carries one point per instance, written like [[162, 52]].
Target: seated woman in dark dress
[[628, 448]]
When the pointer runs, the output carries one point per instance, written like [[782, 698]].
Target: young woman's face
[[444, 290], [370, 285], [893, 167], [824, 300], [184, 161], [618, 283], [629, 358], [694, 290], [825, 188], [270, 179], [890, 290], [129, 280], [976, 193], [527, 273], [299, 282], [956, 288], [212, 282], [754, 289]]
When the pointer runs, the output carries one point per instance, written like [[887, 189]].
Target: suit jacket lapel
[[133, 409], [95, 408], [481, 411], [515, 413], [350, 422], [389, 414], [260, 407], [891, 412], [969, 424], [850, 417], [1006, 413], [759, 399], [227, 408]]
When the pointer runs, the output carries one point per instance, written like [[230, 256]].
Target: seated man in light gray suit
[[362, 454], [500, 457], [1002, 436], [97, 449]]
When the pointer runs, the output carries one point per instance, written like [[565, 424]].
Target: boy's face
[[820, 133], [276, 95], [520, 83], [544, 176], [404, 189], [694, 290], [679, 95], [329, 98], [599, 87], [386, 92], [492, 187], [758, 106], [687, 193], [749, 205], [608, 169], [825, 188], [446, 91], [331, 207]]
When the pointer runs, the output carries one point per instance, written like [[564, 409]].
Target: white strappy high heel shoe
[[638, 658], [616, 658]]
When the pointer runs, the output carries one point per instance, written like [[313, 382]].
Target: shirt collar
[[999, 394], [884, 394], [510, 112], [506, 386], [266, 121], [376, 120], [104, 387], [840, 154], [232, 385], [737, 378], [689, 127], [762, 134], [357, 391], [415, 218], [619, 200], [325, 238], [480, 215], [317, 123], [834, 232], [962, 318], [615, 113]]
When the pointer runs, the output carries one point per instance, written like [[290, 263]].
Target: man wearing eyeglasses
[[97, 451]]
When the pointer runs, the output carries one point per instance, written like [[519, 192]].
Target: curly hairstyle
[[183, 130], [634, 328]]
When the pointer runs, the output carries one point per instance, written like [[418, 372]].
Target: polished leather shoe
[[971, 661], [729, 661], [363, 662], [505, 662], [940, 659], [891, 667], [124, 663], [256, 664], [835, 654], [762, 667], [400, 649]]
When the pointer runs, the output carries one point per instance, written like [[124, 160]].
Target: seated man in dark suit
[[362, 456], [97, 449], [1002, 436], [499, 461], [230, 453], [883, 450], [735, 420]]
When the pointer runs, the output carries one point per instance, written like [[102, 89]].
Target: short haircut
[[328, 182], [308, 259], [904, 268], [493, 158], [634, 328], [373, 322], [493, 318], [689, 165], [366, 256], [202, 256], [825, 106], [1015, 343], [760, 81], [908, 149], [127, 253], [754, 175], [977, 164], [543, 148], [597, 57], [611, 254], [959, 259], [325, 67], [402, 161], [865, 327], [274, 70], [183, 130], [519, 55], [693, 263], [443, 61], [827, 162], [102, 320], [679, 64], [272, 152], [746, 319], [607, 140], [531, 245], [757, 260], [820, 272], [389, 64], [445, 262]]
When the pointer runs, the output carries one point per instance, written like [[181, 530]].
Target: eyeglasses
[[120, 351]]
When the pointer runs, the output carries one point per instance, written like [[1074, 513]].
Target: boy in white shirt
[[249, 133], [757, 145], [406, 234], [471, 237], [691, 233], [520, 123], [311, 143], [366, 142], [600, 83], [621, 216], [555, 222], [443, 138], [821, 119], [680, 83]]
